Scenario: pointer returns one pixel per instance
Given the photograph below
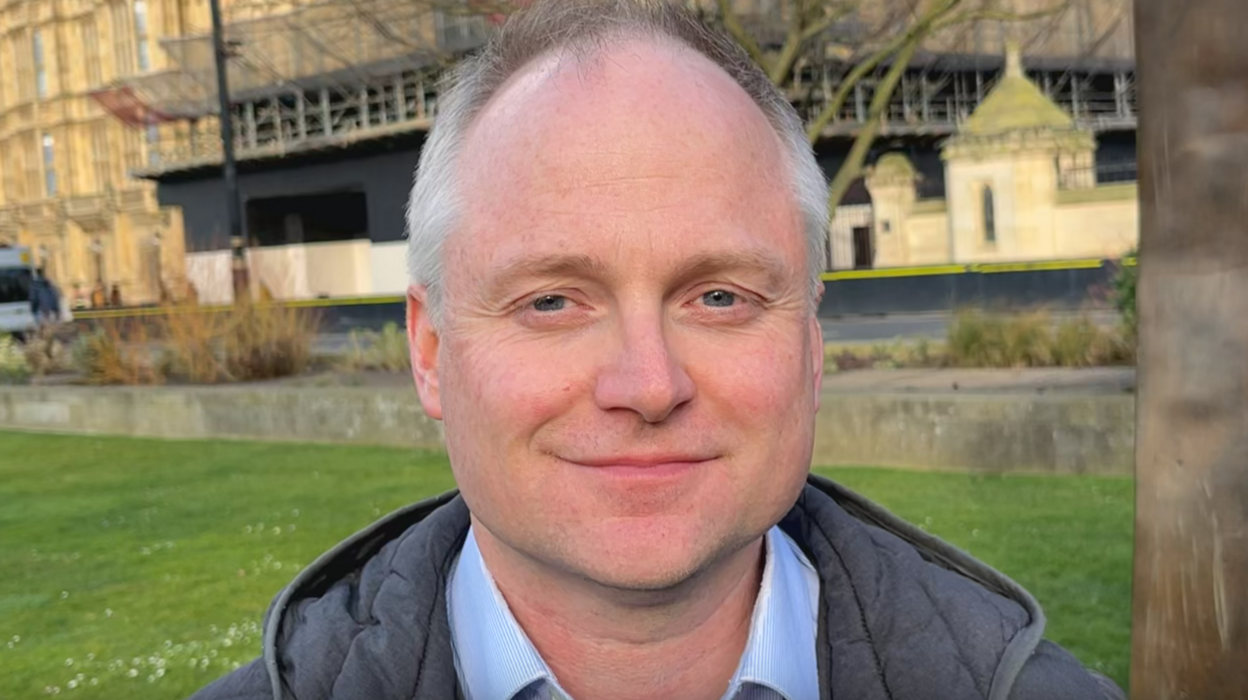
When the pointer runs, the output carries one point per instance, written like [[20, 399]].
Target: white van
[[17, 276]]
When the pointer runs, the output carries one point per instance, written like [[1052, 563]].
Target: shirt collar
[[496, 661], [780, 653], [494, 658]]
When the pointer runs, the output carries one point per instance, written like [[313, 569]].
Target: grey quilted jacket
[[902, 615]]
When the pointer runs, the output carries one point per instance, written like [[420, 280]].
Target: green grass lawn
[[140, 569]]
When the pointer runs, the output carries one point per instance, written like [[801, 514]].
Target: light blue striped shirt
[[496, 661]]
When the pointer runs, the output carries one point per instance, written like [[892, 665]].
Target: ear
[[422, 341], [816, 345], [816, 358]]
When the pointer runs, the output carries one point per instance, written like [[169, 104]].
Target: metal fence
[[1100, 174]]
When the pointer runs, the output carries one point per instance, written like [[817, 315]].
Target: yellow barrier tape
[[894, 272], [880, 273], [97, 314], [990, 268], [345, 301], [298, 303]]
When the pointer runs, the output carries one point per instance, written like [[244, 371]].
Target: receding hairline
[[590, 54], [585, 31], [721, 94]]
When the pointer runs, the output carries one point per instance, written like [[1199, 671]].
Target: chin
[[646, 557], [646, 579]]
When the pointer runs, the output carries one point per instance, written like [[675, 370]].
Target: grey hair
[[582, 27]]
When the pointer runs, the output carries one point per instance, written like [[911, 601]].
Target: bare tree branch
[[851, 169], [820, 26], [733, 24], [834, 105], [982, 15], [781, 65], [918, 32], [895, 34]]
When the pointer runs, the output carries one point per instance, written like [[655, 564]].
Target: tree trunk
[[1190, 621]]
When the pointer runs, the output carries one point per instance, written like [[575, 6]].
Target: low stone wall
[[339, 414], [991, 433], [981, 433]]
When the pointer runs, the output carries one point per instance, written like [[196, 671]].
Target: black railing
[[1100, 174]]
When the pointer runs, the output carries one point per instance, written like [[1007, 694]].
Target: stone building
[[65, 185], [1021, 183], [111, 160]]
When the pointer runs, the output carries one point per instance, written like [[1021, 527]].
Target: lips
[[646, 468], [641, 462]]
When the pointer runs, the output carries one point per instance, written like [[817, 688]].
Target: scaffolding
[[1082, 57], [330, 73], [939, 92], [321, 75]]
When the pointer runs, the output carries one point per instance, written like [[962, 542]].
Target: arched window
[[990, 216]]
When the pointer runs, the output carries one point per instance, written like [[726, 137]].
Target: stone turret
[[1004, 168], [891, 182]]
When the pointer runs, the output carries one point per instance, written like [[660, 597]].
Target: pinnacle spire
[[1013, 60]]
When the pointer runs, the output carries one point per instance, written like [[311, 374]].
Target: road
[[882, 328], [931, 326], [862, 329]]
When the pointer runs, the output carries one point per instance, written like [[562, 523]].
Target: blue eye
[[720, 298], [550, 302]]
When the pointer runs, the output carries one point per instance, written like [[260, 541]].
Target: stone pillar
[[891, 183]]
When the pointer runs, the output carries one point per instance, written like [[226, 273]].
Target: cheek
[[761, 378], [504, 391]]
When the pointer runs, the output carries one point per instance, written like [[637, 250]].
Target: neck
[[607, 644]]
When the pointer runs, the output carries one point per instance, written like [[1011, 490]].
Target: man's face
[[629, 366]]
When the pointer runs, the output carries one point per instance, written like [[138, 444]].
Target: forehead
[[641, 137]]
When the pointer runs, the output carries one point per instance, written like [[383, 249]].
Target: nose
[[644, 375]]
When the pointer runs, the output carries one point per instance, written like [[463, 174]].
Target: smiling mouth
[[654, 467]]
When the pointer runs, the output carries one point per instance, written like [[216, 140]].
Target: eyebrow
[[771, 265], [558, 265], [589, 267]]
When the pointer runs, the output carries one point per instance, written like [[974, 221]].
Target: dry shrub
[[14, 368], [192, 339], [386, 351], [1117, 347], [116, 353], [845, 360], [892, 355], [200, 345], [979, 339], [1078, 342], [1028, 340], [976, 339], [924, 354], [47, 352], [266, 341]]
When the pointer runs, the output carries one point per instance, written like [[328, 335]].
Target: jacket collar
[[399, 567]]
